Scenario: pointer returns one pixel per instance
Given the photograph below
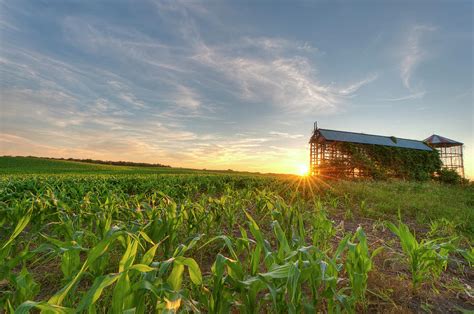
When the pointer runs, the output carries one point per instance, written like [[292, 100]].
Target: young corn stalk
[[323, 230], [23, 284], [359, 264], [426, 259]]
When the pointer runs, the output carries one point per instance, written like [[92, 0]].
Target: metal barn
[[326, 148]]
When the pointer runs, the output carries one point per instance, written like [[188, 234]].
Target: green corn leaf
[[342, 245], [142, 268], [93, 294], [121, 297], [146, 237], [146, 285], [26, 287], [283, 246], [193, 269], [129, 256], [255, 229], [277, 272], [255, 259], [293, 282], [176, 276], [25, 308], [22, 223], [93, 255], [377, 251], [149, 255], [227, 241]]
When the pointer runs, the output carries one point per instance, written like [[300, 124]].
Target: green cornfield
[[228, 243]]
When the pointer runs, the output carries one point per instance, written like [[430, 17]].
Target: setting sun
[[303, 170]]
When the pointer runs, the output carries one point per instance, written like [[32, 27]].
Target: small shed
[[450, 152]]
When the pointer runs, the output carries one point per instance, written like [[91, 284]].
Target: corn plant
[[426, 258], [195, 243], [93, 255], [23, 285], [359, 263], [322, 229]]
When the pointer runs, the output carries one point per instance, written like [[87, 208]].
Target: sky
[[229, 84]]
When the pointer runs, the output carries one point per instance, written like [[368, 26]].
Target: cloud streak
[[289, 83], [261, 70], [351, 89], [418, 95], [413, 54]]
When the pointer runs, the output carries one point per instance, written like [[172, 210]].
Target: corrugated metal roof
[[440, 140], [361, 138]]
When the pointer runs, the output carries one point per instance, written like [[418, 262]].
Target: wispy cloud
[[413, 53], [289, 83], [351, 89], [286, 135], [274, 45], [187, 98], [263, 70], [418, 95], [284, 82], [131, 99]]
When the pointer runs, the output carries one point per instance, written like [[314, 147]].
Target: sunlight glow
[[303, 170]]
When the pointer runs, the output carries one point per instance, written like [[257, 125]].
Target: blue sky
[[229, 84]]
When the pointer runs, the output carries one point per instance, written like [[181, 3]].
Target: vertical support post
[[314, 149], [316, 159], [451, 158]]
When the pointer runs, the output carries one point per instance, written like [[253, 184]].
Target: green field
[[34, 165], [78, 237]]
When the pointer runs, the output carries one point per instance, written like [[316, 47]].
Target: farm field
[[78, 237], [36, 165]]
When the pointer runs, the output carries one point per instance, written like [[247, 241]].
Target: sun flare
[[303, 170]]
